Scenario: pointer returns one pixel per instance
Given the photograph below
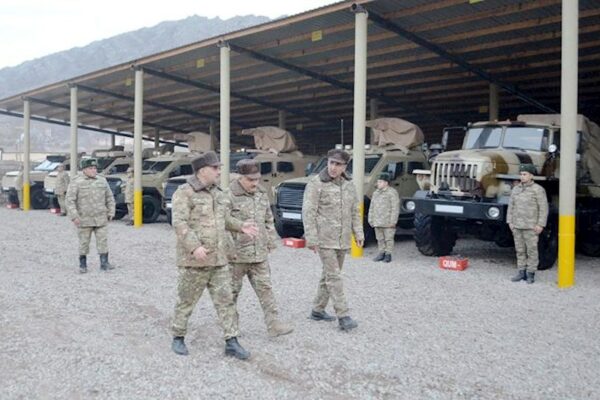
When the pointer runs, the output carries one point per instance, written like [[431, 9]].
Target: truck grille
[[290, 195], [458, 175]]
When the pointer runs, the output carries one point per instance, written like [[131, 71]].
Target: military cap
[[208, 159], [248, 167], [338, 155], [385, 176], [528, 168], [88, 162]]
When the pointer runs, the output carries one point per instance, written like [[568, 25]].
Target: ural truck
[[468, 190], [396, 149]]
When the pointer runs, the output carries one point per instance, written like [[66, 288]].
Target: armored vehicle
[[468, 190]]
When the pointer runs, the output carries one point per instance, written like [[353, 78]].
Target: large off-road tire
[[433, 235], [151, 209], [589, 245], [548, 244], [39, 201], [504, 237]]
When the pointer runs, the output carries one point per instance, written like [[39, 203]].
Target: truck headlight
[[410, 205], [493, 212]]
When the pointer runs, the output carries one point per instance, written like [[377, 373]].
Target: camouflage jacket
[[330, 212], [129, 190], [200, 217], [251, 207], [90, 200], [528, 206], [385, 208], [62, 182]]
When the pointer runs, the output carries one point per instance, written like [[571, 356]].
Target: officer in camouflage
[[526, 216], [90, 205], [200, 217], [383, 216], [62, 182], [129, 196], [330, 215], [250, 202]]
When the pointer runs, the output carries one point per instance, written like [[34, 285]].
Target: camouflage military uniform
[[62, 182], [383, 216], [330, 215], [250, 254], [129, 197], [528, 207], [200, 217], [91, 201]]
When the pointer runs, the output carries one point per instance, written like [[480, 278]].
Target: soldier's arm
[[395, 206], [357, 225], [110, 201], [310, 205], [509, 209], [231, 223], [370, 215], [542, 202], [71, 202], [270, 226], [182, 207]]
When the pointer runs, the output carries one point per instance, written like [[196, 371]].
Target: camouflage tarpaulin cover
[[590, 143], [395, 131], [272, 138], [197, 141]]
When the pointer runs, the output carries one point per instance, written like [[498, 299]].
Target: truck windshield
[[152, 167], [525, 138], [104, 162], [483, 138], [370, 163], [46, 165]]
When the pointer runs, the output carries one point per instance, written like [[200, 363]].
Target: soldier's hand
[[315, 249], [538, 229], [360, 243], [250, 229], [77, 222], [200, 253]]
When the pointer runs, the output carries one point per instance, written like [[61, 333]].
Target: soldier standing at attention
[[526, 216], [330, 214], [62, 182], [383, 216], [200, 217], [249, 202], [129, 196], [90, 205]]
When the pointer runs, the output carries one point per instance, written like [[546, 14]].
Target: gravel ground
[[423, 333]]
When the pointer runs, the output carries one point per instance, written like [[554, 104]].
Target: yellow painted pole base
[[26, 206], [566, 251], [137, 209], [355, 250]]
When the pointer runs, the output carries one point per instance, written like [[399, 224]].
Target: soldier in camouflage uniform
[[200, 217], [90, 205], [129, 196], [526, 216], [383, 216], [330, 214], [62, 182], [250, 202]]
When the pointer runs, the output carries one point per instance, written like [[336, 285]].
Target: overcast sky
[[34, 28]]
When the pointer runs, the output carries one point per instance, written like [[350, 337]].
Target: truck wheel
[[504, 238], [588, 246], [39, 201], [151, 208], [433, 235], [548, 245]]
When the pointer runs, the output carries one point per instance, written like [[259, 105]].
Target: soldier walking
[[129, 196], [383, 216], [200, 217], [330, 214], [62, 182], [90, 205], [249, 202], [526, 216]]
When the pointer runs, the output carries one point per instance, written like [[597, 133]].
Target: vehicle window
[[265, 168], [483, 138], [370, 163], [320, 165], [395, 169], [119, 168], [104, 162], [412, 165], [285, 166], [557, 140], [152, 167], [186, 169], [47, 166], [525, 138]]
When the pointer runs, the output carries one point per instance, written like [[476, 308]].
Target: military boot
[[234, 349], [347, 323], [104, 264], [321, 316], [278, 328], [387, 258], [520, 276], [82, 264], [380, 257], [530, 277], [179, 347]]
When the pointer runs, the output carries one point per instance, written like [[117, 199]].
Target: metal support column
[[225, 92], [74, 115], [360, 111], [568, 140], [282, 119], [113, 141], [494, 105], [138, 126], [373, 112], [212, 131], [26, 156]]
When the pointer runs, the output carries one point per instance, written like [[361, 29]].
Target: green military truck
[[397, 149], [467, 191]]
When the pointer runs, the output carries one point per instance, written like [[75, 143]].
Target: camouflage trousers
[[61, 203], [385, 239], [526, 246], [259, 275], [191, 284], [129, 212], [331, 284], [85, 235]]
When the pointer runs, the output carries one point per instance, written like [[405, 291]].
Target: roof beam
[[390, 26]]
